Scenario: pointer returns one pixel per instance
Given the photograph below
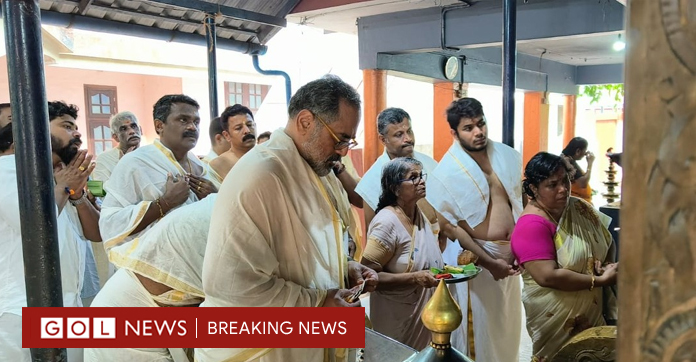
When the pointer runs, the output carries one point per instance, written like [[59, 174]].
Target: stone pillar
[[657, 277]]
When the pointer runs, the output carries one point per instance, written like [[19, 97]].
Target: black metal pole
[[37, 205], [288, 83], [509, 70], [212, 65]]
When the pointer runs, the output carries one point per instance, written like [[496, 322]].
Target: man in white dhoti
[[275, 235], [218, 143], [125, 129], [239, 129], [162, 269], [155, 179], [477, 185], [396, 134], [76, 223]]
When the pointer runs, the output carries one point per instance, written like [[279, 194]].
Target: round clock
[[451, 68]]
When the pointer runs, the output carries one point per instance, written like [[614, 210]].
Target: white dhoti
[[125, 290]]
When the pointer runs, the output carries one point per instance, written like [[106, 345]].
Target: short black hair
[[266, 134], [577, 143], [59, 108], [4, 105], [390, 116], [540, 168], [6, 139], [215, 129], [232, 111], [322, 97], [163, 107], [463, 108]]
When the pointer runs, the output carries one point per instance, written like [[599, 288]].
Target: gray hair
[[392, 174], [390, 116], [322, 97], [118, 118]]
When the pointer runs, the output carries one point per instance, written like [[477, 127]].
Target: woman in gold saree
[[401, 247], [565, 250]]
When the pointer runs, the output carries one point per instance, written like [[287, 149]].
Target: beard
[[65, 153], [311, 152], [470, 147]]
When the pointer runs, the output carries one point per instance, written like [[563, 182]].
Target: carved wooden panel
[[657, 278]]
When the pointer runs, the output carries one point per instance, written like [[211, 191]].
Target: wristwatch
[[82, 199]]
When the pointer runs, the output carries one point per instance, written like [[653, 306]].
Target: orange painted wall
[[443, 95], [136, 93]]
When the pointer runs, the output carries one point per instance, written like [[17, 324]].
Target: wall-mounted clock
[[451, 68]]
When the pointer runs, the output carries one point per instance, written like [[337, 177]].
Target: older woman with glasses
[[402, 246]]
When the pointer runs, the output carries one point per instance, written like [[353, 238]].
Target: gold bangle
[[160, 208], [592, 284]]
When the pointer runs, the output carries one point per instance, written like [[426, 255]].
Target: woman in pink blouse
[[565, 250]]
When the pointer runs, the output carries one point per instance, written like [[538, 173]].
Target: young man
[[263, 137], [152, 180], [5, 114], [125, 130], [477, 186], [239, 129], [77, 220], [275, 239]]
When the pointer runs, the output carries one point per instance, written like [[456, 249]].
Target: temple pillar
[[657, 277], [536, 125], [443, 95], [569, 112], [375, 101]]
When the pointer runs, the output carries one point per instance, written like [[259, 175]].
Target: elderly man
[[152, 180], [125, 130], [396, 134], [218, 143], [239, 129], [275, 239], [76, 223], [486, 202], [5, 114]]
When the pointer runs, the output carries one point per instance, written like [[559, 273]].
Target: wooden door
[[101, 104]]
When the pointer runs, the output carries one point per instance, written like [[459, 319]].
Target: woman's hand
[[425, 278], [609, 275]]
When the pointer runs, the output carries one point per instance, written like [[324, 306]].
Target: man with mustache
[[477, 187], [77, 223], [151, 181], [239, 129], [274, 237], [125, 129], [396, 134]]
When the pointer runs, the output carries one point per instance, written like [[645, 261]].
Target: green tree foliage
[[597, 92]]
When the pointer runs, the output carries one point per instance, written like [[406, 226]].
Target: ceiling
[[585, 50]]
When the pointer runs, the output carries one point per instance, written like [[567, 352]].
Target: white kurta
[[139, 179], [459, 191], [274, 241], [72, 251], [369, 187], [106, 161]]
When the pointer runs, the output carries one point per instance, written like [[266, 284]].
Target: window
[[101, 105], [246, 94]]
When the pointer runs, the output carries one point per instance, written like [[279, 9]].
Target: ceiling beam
[[600, 74], [226, 11]]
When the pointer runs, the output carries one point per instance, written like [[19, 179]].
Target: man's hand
[[176, 191], [74, 175], [358, 274], [200, 186], [336, 298], [500, 269]]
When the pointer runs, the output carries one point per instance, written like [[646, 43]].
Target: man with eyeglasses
[[396, 134], [275, 233], [477, 186], [125, 129]]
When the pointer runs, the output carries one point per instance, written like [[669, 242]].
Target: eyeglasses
[[340, 145], [416, 179]]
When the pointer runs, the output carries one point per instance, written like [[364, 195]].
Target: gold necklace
[[402, 212], [546, 212]]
